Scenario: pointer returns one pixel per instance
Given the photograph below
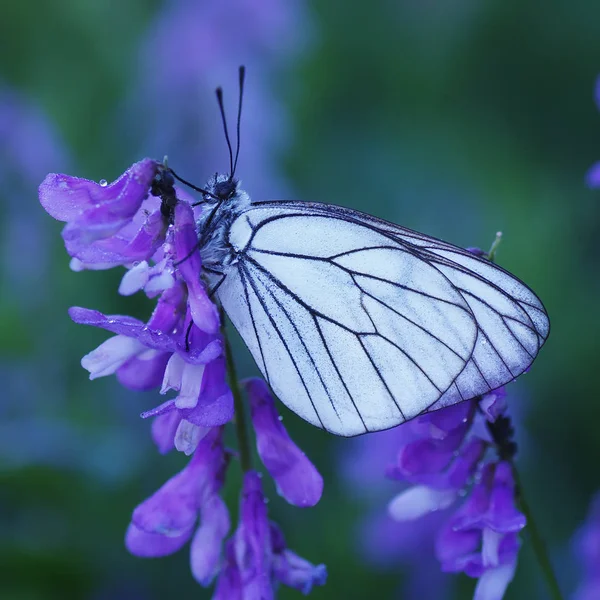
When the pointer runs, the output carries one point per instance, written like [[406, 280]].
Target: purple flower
[[107, 224], [587, 550], [163, 523], [180, 349], [296, 477], [144, 355], [257, 557], [442, 457]]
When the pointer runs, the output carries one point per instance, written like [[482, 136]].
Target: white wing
[[358, 324]]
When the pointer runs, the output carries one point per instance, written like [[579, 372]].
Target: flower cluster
[[443, 455], [181, 348]]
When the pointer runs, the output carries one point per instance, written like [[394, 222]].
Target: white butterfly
[[358, 324]]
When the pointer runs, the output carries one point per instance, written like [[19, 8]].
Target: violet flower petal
[[296, 572], [215, 405], [204, 312], [297, 479], [188, 436], [493, 583], [502, 515], [164, 427], [125, 326], [205, 552], [144, 371], [418, 501], [229, 585], [149, 545], [252, 541], [72, 199], [452, 546], [172, 510], [111, 355]]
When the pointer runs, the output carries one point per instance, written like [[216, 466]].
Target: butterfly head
[[221, 188]]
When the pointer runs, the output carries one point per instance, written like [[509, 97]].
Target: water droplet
[[103, 182], [280, 417]]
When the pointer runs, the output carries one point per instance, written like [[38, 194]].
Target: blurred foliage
[[458, 119]]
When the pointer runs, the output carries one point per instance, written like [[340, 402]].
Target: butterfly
[[359, 324]]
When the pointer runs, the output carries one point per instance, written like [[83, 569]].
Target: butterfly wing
[[358, 324]]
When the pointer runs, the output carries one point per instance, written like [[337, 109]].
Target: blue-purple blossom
[[587, 551], [297, 479], [166, 521], [257, 557], [444, 458], [180, 350], [107, 224]]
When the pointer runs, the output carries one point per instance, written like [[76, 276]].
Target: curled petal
[[493, 583], [297, 479], [125, 326], [111, 355], [172, 510], [252, 540], [449, 420], [229, 585], [417, 501], [504, 551], [494, 404], [204, 312], [503, 515], [453, 548], [135, 279], [133, 242], [294, 571], [206, 546], [149, 545], [215, 404], [144, 371], [74, 199], [164, 427], [188, 435], [491, 503]]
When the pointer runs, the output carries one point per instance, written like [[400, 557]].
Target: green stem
[[539, 547], [240, 414]]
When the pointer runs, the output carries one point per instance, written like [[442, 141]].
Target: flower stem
[[539, 547], [240, 414]]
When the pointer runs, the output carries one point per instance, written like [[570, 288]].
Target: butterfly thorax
[[223, 203]]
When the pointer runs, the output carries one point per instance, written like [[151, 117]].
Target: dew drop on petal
[[103, 182]]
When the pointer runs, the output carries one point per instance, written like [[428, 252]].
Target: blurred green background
[[456, 118]]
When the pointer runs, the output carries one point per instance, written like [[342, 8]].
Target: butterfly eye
[[225, 189]]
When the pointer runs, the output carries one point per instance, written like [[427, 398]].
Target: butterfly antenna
[[192, 186], [222, 109], [239, 117]]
